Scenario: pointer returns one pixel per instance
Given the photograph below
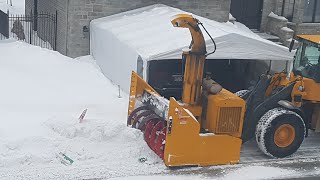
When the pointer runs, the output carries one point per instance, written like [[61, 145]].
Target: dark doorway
[[248, 12]]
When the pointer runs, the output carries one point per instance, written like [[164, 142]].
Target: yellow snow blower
[[205, 127]]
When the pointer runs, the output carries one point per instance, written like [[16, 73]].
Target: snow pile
[[231, 18], [42, 95], [286, 29], [273, 15], [258, 172]]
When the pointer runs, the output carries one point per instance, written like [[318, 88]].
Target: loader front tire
[[280, 132]]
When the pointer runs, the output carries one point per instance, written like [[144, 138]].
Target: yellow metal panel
[[187, 21], [137, 87], [229, 120], [311, 38], [216, 119], [185, 146], [311, 89]]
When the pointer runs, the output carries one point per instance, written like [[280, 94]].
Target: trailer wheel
[[280, 132]]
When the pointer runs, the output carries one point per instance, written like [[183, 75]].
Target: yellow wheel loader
[[205, 127], [282, 108]]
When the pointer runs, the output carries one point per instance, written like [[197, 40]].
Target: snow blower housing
[[205, 128]]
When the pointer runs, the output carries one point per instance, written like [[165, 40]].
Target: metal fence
[[37, 29]]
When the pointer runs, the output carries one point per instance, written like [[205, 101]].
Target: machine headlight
[[301, 88]]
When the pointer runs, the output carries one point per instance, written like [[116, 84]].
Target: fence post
[[35, 15], [8, 26], [30, 27], [55, 31]]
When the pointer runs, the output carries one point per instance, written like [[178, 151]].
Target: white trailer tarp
[[118, 41]]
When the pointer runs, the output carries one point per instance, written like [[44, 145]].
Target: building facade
[[283, 18], [74, 16]]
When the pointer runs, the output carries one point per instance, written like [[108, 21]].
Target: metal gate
[[4, 25], [37, 29]]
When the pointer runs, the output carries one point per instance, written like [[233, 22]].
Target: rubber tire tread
[[278, 152]]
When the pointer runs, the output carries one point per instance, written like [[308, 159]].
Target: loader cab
[[307, 59]]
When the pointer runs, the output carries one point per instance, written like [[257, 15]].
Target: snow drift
[[42, 95]]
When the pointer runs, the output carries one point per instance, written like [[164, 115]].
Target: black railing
[[36, 29]]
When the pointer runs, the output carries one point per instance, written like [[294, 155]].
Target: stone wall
[[308, 28], [29, 6], [274, 26], [268, 7], [59, 7], [298, 11], [62, 25], [52, 6], [275, 6], [81, 12]]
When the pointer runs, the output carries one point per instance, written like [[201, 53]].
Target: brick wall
[[51, 6], [298, 11], [297, 20], [82, 11], [61, 7], [29, 6], [268, 7], [307, 28], [62, 25]]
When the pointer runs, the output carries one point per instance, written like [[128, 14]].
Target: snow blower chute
[[204, 128]]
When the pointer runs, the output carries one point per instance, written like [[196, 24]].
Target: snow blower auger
[[205, 128]]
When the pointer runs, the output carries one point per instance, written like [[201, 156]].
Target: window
[[307, 62], [311, 11]]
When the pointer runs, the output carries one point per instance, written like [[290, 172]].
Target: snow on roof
[[277, 16], [286, 29], [149, 32]]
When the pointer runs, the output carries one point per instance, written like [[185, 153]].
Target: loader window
[[307, 62]]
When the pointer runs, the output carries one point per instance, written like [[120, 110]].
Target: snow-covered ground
[[42, 95]]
